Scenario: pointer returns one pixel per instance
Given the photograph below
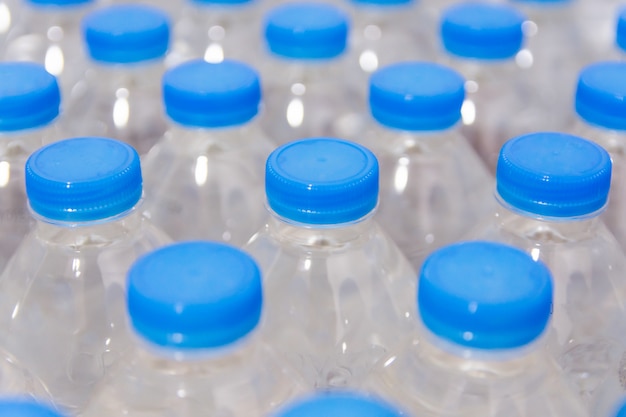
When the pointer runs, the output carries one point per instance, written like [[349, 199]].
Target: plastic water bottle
[[388, 31], [483, 310], [215, 30], [339, 404], [552, 188], [337, 288], [485, 43], [308, 89], [600, 108], [48, 32], [62, 294], [434, 187], [9, 13], [197, 351], [26, 407], [120, 95], [29, 106], [204, 179]]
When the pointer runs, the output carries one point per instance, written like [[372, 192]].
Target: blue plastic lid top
[[83, 179], [339, 404], [416, 96], [620, 35], [306, 30], [126, 33], [29, 96], [621, 408], [321, 181], [59, 3], [553, 175], [198, 93], [482, 31], [194, 295], [484, 295], [25, 407], [601, 95]]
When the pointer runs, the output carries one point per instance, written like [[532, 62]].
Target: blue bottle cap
[[620, 35], [416, 96], [306, 30], [601, 95], [339, 404], [194, 295], [321, 181], [201, 94], [482, 31], [59, 3], [83, 179], [26, 407], [484, 295], [29, 96], [621, 408], [554, 175], [126, 33]]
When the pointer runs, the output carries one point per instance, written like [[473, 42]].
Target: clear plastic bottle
[[552, 188], [485, 43], [308, 88], [119, 95], [204, 178], [483, 309], [48, 32], [339, 404], [197, 352], [27, 407], [215, 30], [62, 293], [338, 290], [433, 186], [29, 107], [599, 104]]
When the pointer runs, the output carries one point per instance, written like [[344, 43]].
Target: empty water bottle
[[308, 89], [119, 95], [337, 288], [27, 407], [434, 187], [483, 310], [29, 106], [194, 307], [339, 404], [48, 32], [601, 109], [204, 178], [552, 188], [62, 293]]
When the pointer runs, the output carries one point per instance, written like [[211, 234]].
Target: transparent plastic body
[[62, 300], [51, 36], [208, 183], [587, 264], [10, 11], [384, 35], [310, 99], [338, 300], [15, 218], [119, 101], [615, 143], [246, 379], [16, 380], [433, 188], [433, 378], [215, 32]]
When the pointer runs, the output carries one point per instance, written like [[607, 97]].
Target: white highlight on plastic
[[202, 170], [121, 108], [295, 112], [401, 177], [5, 173], [216, 33], [368, 60], [471, 86], [534, 253], [214, 53], [54, 60], [372, 32], [468, 112], [55, 33], [298, 89], [524, 58], [529, 28], [5, 18]]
